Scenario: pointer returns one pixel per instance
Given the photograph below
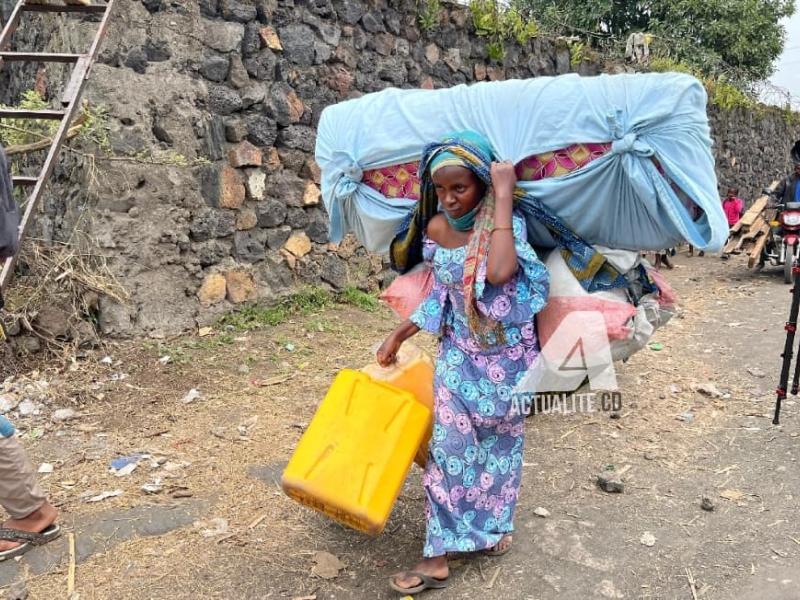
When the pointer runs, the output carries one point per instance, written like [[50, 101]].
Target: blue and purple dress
[[473, 472]]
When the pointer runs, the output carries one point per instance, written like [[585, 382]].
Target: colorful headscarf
[[474, 152]]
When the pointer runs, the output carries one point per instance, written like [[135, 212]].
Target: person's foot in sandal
[[501, 547], [36, 522], [430, 573]]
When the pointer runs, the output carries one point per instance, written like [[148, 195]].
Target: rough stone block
[[480, 71], [212, 223], [298, 244], [213, 290], [237, 73], [312, 194], [273, 159], [277, 237], [245, 154], [249, 246], [215, 68], [312, 171], [241, 286], [298, 46], [235, 131], [238, 10], [223, 37], [256, 184], [432, 53], [223, 100], [271, 213], [262, 131], [270, 38], [246, 219]]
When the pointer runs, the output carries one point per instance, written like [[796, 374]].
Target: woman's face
[[458, 189]]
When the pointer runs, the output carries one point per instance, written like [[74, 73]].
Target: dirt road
[[219, 526]]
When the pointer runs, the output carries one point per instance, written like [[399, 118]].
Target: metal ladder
[[70, 99]]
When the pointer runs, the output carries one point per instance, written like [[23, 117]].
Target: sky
[[787, 73]]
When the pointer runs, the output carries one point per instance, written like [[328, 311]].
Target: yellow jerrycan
[[351, 462], [412, 372]]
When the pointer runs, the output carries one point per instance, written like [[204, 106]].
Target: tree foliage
[[737, 38]]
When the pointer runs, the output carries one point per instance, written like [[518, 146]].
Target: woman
[[488, 286]]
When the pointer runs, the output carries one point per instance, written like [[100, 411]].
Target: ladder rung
[[26, 181], [18, 113], [69, 8], [39, 57]]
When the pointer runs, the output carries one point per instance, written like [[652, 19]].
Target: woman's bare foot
[[36, 522], [501, 547], [433, 567]]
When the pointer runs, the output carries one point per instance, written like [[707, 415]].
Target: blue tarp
[[620, 200]]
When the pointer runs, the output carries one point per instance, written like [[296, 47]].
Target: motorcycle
[[783, 243]]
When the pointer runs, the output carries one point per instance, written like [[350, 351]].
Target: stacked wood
[[750, 234]]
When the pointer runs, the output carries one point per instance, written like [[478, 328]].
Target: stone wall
[[751, 148], [211, 197]]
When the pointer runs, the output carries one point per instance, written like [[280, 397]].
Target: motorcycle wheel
[[788, 276]]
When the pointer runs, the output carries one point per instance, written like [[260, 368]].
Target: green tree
[[738, 38]]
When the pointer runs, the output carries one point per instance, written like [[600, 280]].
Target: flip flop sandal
[[29, 540], [428, 583], [494, 551]]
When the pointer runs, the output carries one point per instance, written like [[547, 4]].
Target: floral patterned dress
[[473, 473]]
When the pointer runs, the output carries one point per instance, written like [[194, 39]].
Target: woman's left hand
[[504, 179]]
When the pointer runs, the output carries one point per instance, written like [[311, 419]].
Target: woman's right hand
[[387, 353]]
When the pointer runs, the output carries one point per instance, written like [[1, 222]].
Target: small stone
[[237, 73], [708, 389], [223, 100], [270, 38], [231, 190], [298, 244], [216, 68], [28, 408], [326, 565], [256, 184], [540, 511], [756, 372], [648, 539], [384, 43], [241, 286], [271, 213], [432, 53], [238, 10], [213, 290], [707, 504], [277, 237], [296, 107], [291, 260], [245, 154], [235, 131], [480, 71], [452, 59], [246, 219], [312, 171], [427, 84], [273, 159], [64, 414], [610, 482], [312, 195], [7, 403]]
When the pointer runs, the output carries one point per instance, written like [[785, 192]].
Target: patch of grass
[[359, 299], [304, 302], [257, 316]]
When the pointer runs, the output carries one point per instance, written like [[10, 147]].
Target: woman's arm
[[502, 262], [387, 353]]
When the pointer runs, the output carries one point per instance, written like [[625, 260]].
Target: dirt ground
[[259, 389]]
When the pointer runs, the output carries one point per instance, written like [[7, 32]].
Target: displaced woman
[[488, 285]]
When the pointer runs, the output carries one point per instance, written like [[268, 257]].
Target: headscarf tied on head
[[474, 152]]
